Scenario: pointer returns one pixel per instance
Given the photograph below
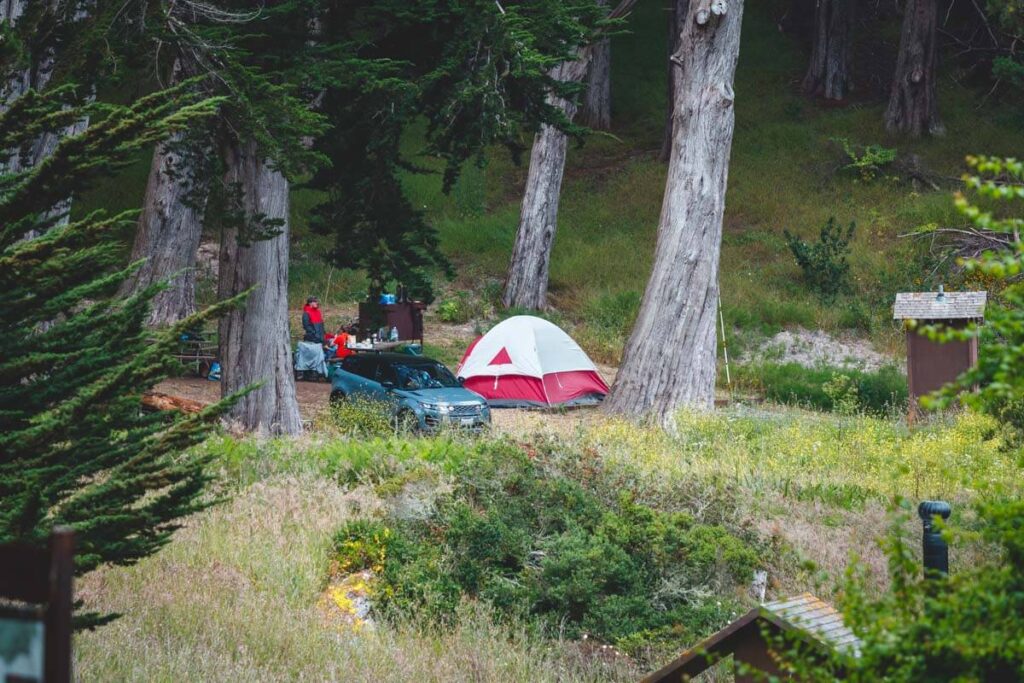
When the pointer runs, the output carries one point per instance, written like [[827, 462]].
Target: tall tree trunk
[[255, 345], [527, 283], [829, 73], [669, 361], [596, 111], [36, 76], [913, 107], [168, 235], [676, 14]]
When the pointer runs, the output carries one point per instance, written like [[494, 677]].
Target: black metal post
[[936, 552]]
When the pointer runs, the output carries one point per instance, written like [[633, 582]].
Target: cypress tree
[[473, 74], [75, 447]]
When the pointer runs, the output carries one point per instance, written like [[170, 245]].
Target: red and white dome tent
[[527, 361]]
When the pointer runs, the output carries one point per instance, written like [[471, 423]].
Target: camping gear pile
[[309, 358]]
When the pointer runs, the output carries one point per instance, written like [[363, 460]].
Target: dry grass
[[233, 598], [237, 594]]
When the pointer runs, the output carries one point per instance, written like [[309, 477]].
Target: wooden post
[[39, 582], [58, 609]]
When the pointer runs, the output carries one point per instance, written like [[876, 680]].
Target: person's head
[[313, 302]]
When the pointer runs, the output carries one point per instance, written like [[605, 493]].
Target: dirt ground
[[313, 396]]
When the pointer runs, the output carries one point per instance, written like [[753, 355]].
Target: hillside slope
[[786, 173]]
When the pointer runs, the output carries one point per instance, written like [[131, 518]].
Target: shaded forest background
[[788, 172]]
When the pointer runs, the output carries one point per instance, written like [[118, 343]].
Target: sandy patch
[[813, 348]]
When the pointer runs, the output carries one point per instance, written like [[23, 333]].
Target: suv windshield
[[413, 376]]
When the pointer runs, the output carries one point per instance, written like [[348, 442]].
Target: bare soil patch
[[312, 396], [813, 348]]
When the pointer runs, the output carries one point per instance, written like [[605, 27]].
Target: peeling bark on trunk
[[829, 73], [168, 235], [670, 358], [254, 342], [527, 283], [913, 108], [675, 18], [596, 111]]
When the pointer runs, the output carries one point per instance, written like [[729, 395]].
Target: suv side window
[[360, 365], [386, 373]]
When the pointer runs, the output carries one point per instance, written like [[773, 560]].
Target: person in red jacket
[[340, 341], [313, 321]]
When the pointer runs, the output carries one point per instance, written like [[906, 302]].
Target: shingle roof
[[818, 618], [930, 306]]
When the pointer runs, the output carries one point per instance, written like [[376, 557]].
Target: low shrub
[[824, 264], [866, 161], [464, 306], [608, 319], [540, 548], [360, 417], [453, 311], [878, 392]]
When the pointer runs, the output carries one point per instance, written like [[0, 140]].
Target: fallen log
[[155, 400]]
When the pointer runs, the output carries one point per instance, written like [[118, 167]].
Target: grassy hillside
[[783, 175], [786, 173], [244, 590]]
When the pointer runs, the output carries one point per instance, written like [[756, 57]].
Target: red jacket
[[340, 340]]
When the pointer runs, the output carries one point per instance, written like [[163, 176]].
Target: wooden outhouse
[[750, 640], [932, 364]]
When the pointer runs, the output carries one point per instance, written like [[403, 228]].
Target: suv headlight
[[442, 408]]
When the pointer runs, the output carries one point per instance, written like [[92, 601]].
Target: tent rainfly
[[527, 361]]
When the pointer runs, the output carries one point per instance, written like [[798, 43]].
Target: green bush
[[962, 627], [541, 548], [453, 311], [360, 417], [867, 161], [826, 388], [824, 263], [465, 306]]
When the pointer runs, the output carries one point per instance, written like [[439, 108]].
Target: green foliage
[[964, 627], [1009, 69], [999, 373], [360, 418], [475, 73], [843, 393], [824, 263], [824, 388], [614, 313], [867, 161], [540, 547], [74, 447], [452, 311]]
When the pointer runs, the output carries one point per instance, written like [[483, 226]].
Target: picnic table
[[380, 346], [197, 353]]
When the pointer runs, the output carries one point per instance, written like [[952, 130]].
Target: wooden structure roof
[[818, 618], [939, 305], [744, 639]]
